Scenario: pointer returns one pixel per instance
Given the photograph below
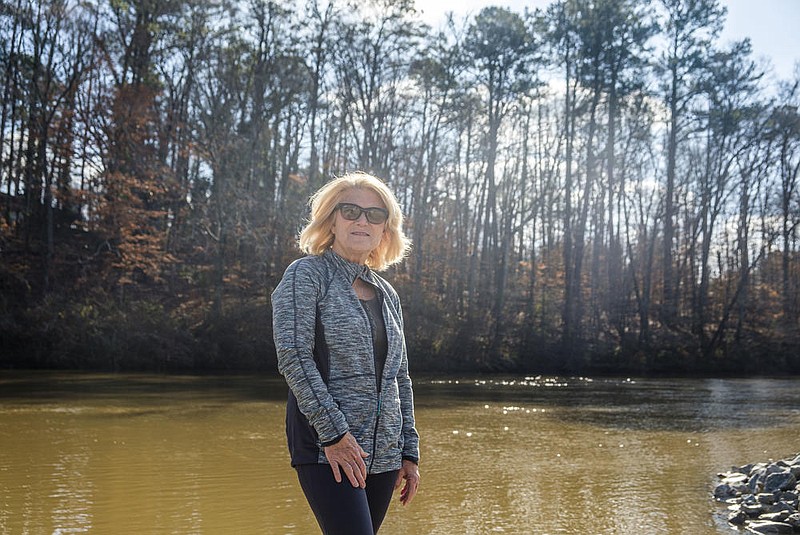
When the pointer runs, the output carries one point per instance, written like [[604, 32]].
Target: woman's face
[[355, 240]]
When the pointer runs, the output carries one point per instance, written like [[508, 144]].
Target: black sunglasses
[[352, 212]]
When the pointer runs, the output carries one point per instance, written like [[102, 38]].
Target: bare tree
[[690, 27]]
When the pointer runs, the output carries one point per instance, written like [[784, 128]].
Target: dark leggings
[[342, 509]]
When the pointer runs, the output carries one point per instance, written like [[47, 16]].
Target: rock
[[756, 468], [793, 465], [780, 481], [766, 498], [733, 478], [744, 469], [737, 518], [762, 497], [753, 509], [756, 482], [775, 468], [741, 489], [763, 526], [775, 517], [724, 491], [780, 507], [736, 485], [792, 497]]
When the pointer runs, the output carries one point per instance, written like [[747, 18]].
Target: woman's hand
[[348, 457], [409, 472]]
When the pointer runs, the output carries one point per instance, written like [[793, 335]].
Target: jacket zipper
[[375, 434], [377, 386]]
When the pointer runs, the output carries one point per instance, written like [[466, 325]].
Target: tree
[[156, 159], [136, 180], [322, 46], [42, 75], [731, 88], [501, 45], [690, 27], [369, 72], [785, 129]]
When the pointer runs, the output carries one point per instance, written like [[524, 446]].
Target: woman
[[338, 331]]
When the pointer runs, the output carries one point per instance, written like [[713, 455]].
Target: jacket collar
[[351, 269]]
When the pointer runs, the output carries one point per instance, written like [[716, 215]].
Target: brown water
[[151, 454]]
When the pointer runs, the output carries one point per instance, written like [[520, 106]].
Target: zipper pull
[[379, 406]]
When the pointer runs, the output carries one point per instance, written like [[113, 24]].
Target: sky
[[773, 26]]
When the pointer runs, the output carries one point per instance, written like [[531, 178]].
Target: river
[[148, 454]]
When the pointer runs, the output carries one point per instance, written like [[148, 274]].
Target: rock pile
[[763, 497]]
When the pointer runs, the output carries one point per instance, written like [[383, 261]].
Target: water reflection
[[152, 454], [677, 404]]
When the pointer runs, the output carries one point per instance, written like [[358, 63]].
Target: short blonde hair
[[317, 235]]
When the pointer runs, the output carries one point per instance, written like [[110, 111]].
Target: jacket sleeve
[[294, 308], [410, 435]]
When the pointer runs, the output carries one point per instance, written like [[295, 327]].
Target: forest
[[598, 187]]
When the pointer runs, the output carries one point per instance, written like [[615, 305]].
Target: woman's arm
[[410, 469], [294, 309], [410, 435]]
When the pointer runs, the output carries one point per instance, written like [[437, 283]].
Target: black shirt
[[380, 344]]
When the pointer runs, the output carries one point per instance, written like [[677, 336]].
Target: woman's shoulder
[[307, 267], [308, 262]]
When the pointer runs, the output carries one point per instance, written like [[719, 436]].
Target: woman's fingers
[[410, 473], [348, 456], [353, 475], [360, 475], [337, 475], [409, 491]]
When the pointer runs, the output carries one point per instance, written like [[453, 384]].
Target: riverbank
[[763, 497]]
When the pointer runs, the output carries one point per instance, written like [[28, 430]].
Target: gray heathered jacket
[[338, 391]]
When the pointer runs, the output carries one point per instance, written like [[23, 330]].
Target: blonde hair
[[317, 235]]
